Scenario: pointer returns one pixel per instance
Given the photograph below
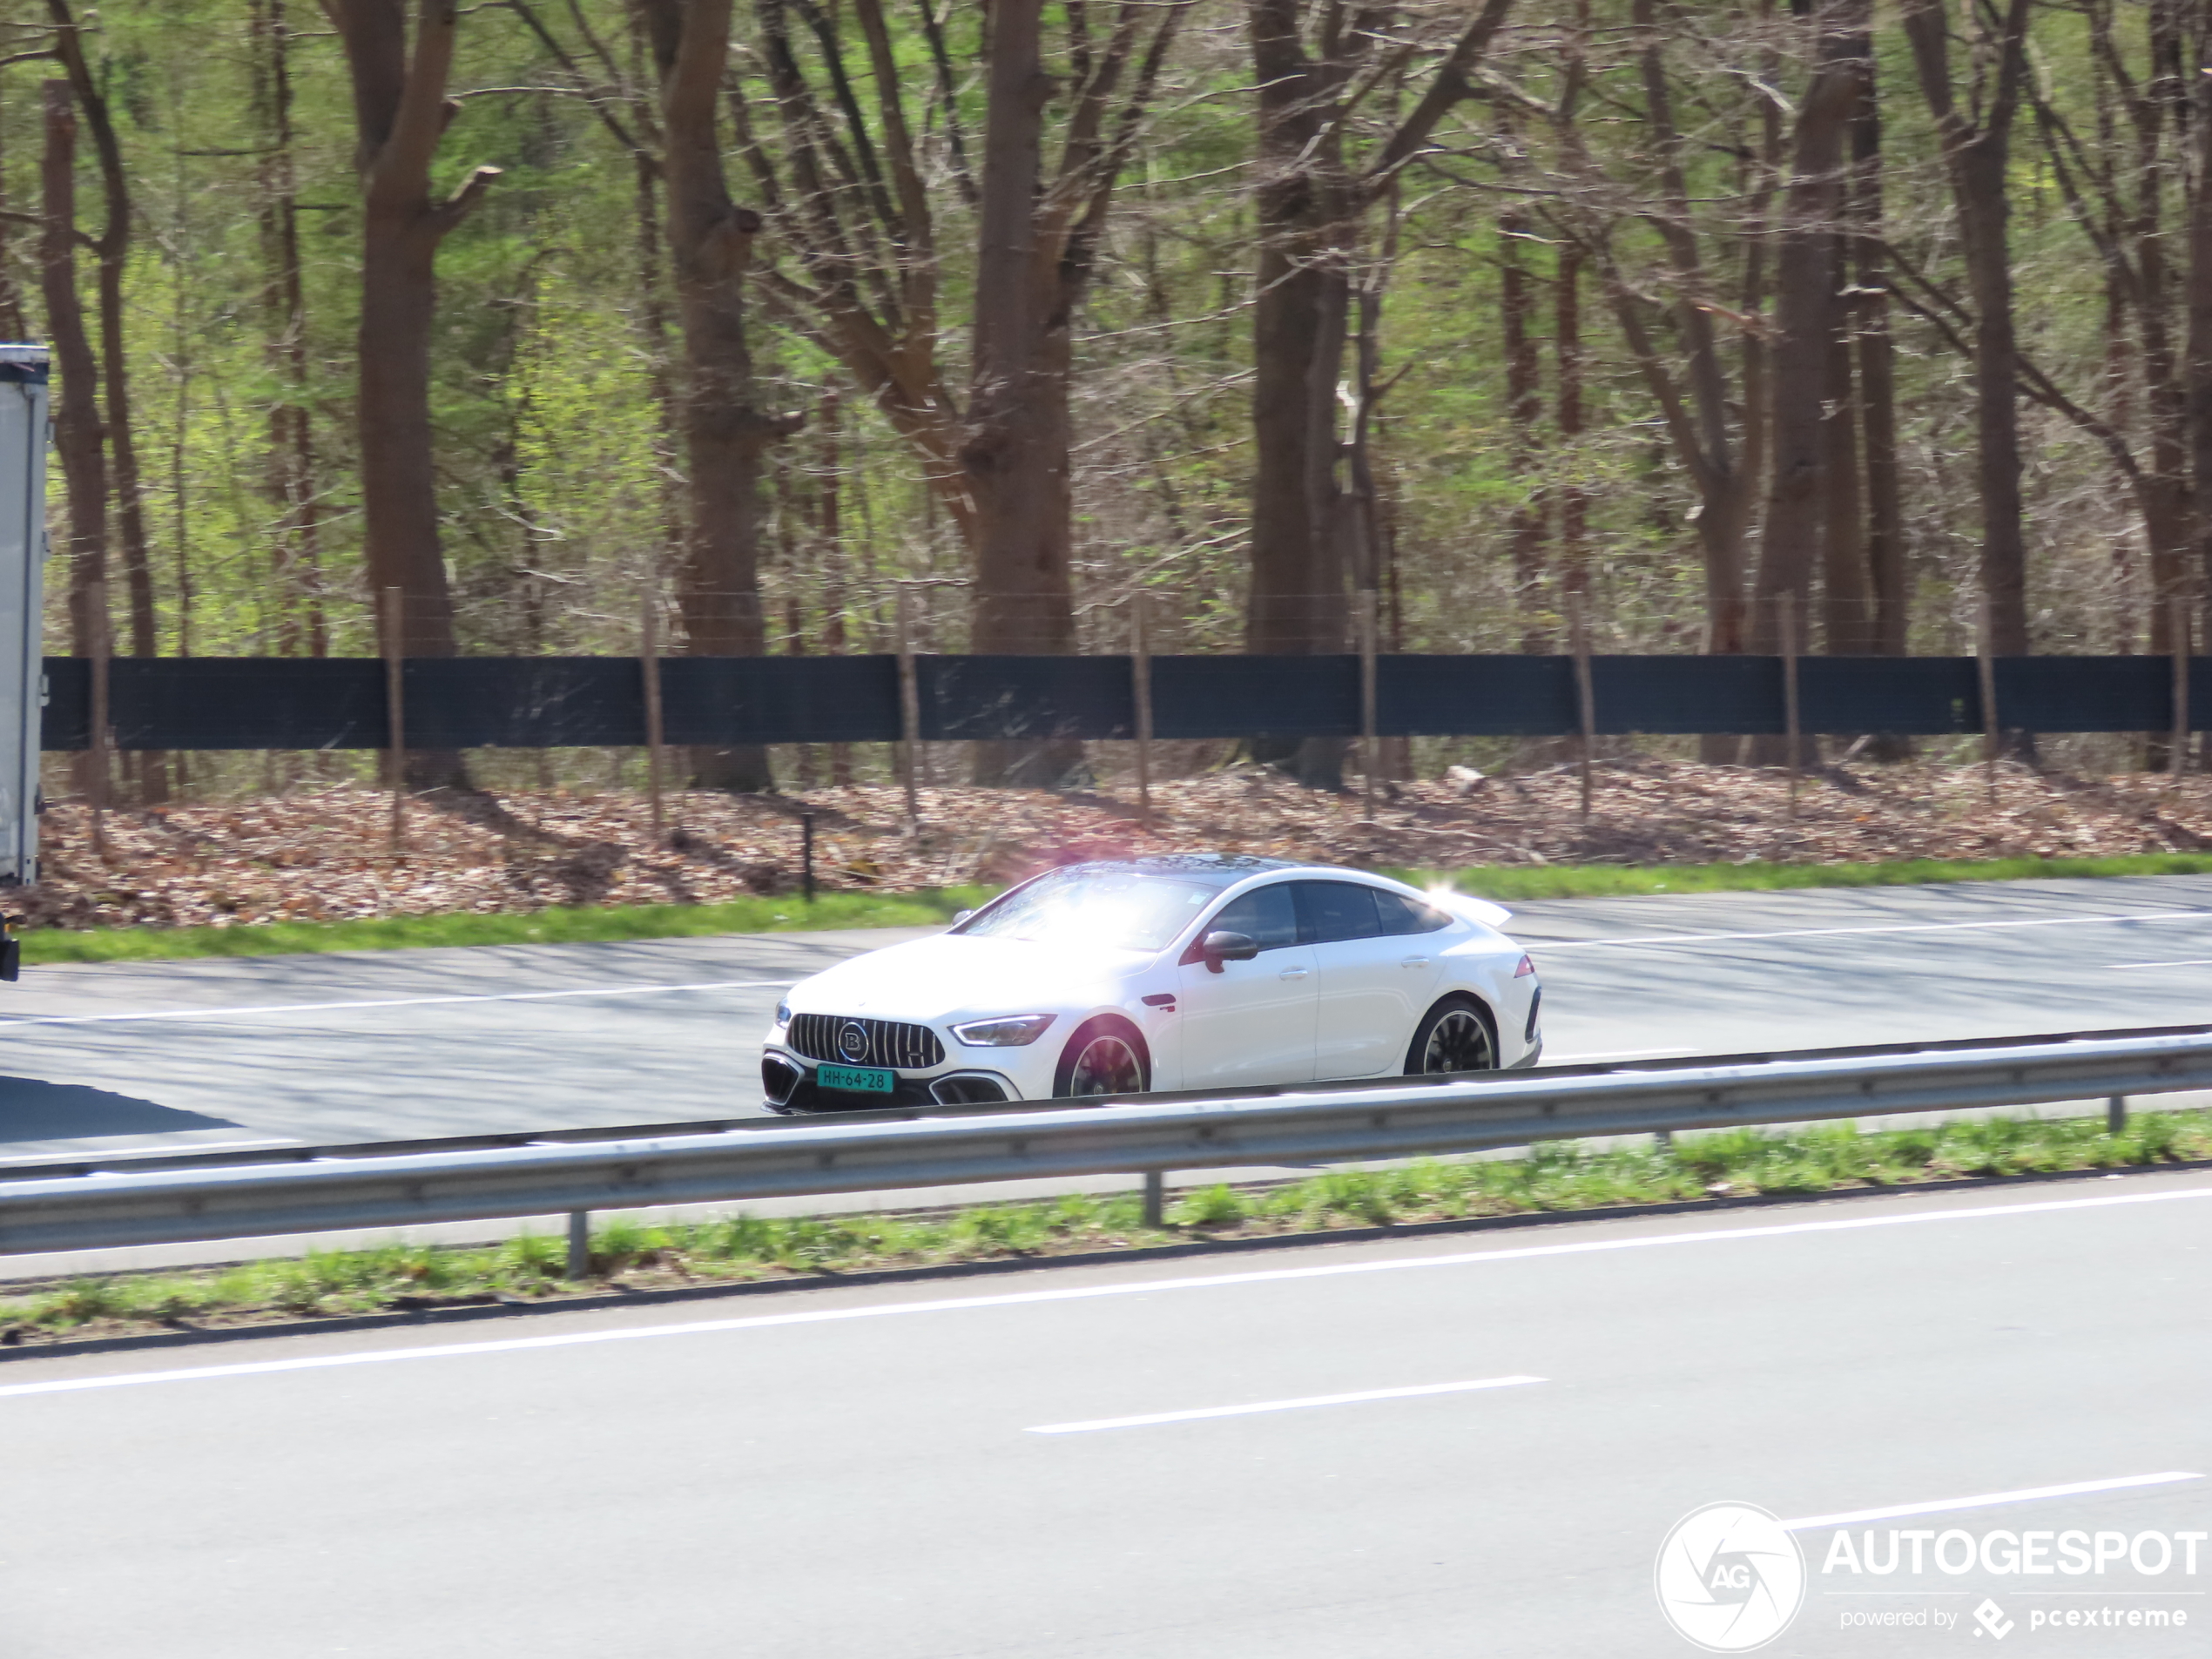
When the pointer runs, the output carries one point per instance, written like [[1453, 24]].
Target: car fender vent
[[892, 1045]]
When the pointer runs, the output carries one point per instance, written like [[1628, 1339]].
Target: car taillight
[[1526, 968]]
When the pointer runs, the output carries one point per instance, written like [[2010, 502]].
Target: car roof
[[1214, 869]]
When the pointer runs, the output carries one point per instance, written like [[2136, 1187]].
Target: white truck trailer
[[23, 437]]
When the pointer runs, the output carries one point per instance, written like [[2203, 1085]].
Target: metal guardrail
[[1147, 1136], [139, 1162]]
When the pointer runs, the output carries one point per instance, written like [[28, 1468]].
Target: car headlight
[[1013, 1032], [783, 1016]]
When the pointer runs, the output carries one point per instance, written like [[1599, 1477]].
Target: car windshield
[[1117, 909]]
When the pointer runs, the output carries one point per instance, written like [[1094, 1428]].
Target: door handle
[[1414, 961], [1295, 973]]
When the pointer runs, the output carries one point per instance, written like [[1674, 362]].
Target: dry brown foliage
[[326, 856]]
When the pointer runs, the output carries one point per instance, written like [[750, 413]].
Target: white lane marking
[[399, 1002], [146, 1151], [2200, 962], [1610, 1053], [1989, 1499], [1540, 945], [1151, 1418], [1090, 1293]]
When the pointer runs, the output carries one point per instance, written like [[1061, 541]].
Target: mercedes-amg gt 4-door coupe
[[1183, 972]]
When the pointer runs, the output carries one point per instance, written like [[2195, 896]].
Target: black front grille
[[889, 1043]]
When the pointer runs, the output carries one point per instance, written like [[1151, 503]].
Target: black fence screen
[[535, 702]]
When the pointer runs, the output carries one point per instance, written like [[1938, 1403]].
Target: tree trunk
[[114, 249], [726, 433], [400, 113], [302, 625], [1877, 386], [1805, 320], [76, 408], [1566, 350], [2198, 378], [1014, 457], [1524, 407], [12, 325], [1976, 155]]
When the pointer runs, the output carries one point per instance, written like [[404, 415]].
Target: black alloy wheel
[[1454, 1037], [1101, 1060]]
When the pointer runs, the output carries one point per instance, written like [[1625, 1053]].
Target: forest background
[[1891, 325]]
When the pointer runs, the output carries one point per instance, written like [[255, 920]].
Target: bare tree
[[725, 431], [1975, 133], [400, 112], [1312, 197], [292, 486]]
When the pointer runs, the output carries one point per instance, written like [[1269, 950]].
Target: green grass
[[1558, 1178], [1505, 883], [553, 927]]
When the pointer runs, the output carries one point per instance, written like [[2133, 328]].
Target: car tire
[[1105, 1056], [1456, 1031]]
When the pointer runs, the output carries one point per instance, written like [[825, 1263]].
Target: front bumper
[[787, 1086]]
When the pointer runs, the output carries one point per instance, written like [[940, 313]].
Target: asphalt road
[[862, 1471], [381, 1045]]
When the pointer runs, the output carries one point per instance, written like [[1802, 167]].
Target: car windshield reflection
[[1114, 910]]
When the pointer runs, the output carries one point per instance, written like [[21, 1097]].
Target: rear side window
[[1338, 910], [1265, 914], [1402, 915]]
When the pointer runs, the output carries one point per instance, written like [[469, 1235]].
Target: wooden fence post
[[1788, 622], [649, 663], [1367, 746], [103, 643], [1985, 664], [1141, 699], [395, 709], [2178, 760], [1585, 693], [909, 709]]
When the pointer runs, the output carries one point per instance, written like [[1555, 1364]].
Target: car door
[[1376, 973], [1252, 1022]]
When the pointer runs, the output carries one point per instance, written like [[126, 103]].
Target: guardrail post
[[1155, 1192], [2116, 1114], [579, 1244]]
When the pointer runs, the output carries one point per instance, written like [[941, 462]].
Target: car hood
[[952, 973]]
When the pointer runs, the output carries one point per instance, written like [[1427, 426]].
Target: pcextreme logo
[[1729, 1578]]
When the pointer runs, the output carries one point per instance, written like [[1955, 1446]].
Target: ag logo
[[1729, 1578], [853, 1041]]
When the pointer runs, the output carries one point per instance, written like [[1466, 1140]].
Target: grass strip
[[601, 923], [563, 925], [1558, 1178], [1507, 882]]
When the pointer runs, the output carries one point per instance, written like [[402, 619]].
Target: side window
[[1266, 914], [1402, 915], [1338, 910]]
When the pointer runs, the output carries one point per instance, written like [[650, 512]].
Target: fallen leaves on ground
[[327, 855]]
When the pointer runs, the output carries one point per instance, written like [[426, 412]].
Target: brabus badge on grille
[[853, 1041]]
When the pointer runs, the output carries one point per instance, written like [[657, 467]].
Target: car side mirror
[[1228, 948], [959, 916]]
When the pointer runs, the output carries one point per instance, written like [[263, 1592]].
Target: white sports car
[[1187, 971]]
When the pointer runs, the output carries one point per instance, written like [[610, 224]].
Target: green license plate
[[864, 1080]]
